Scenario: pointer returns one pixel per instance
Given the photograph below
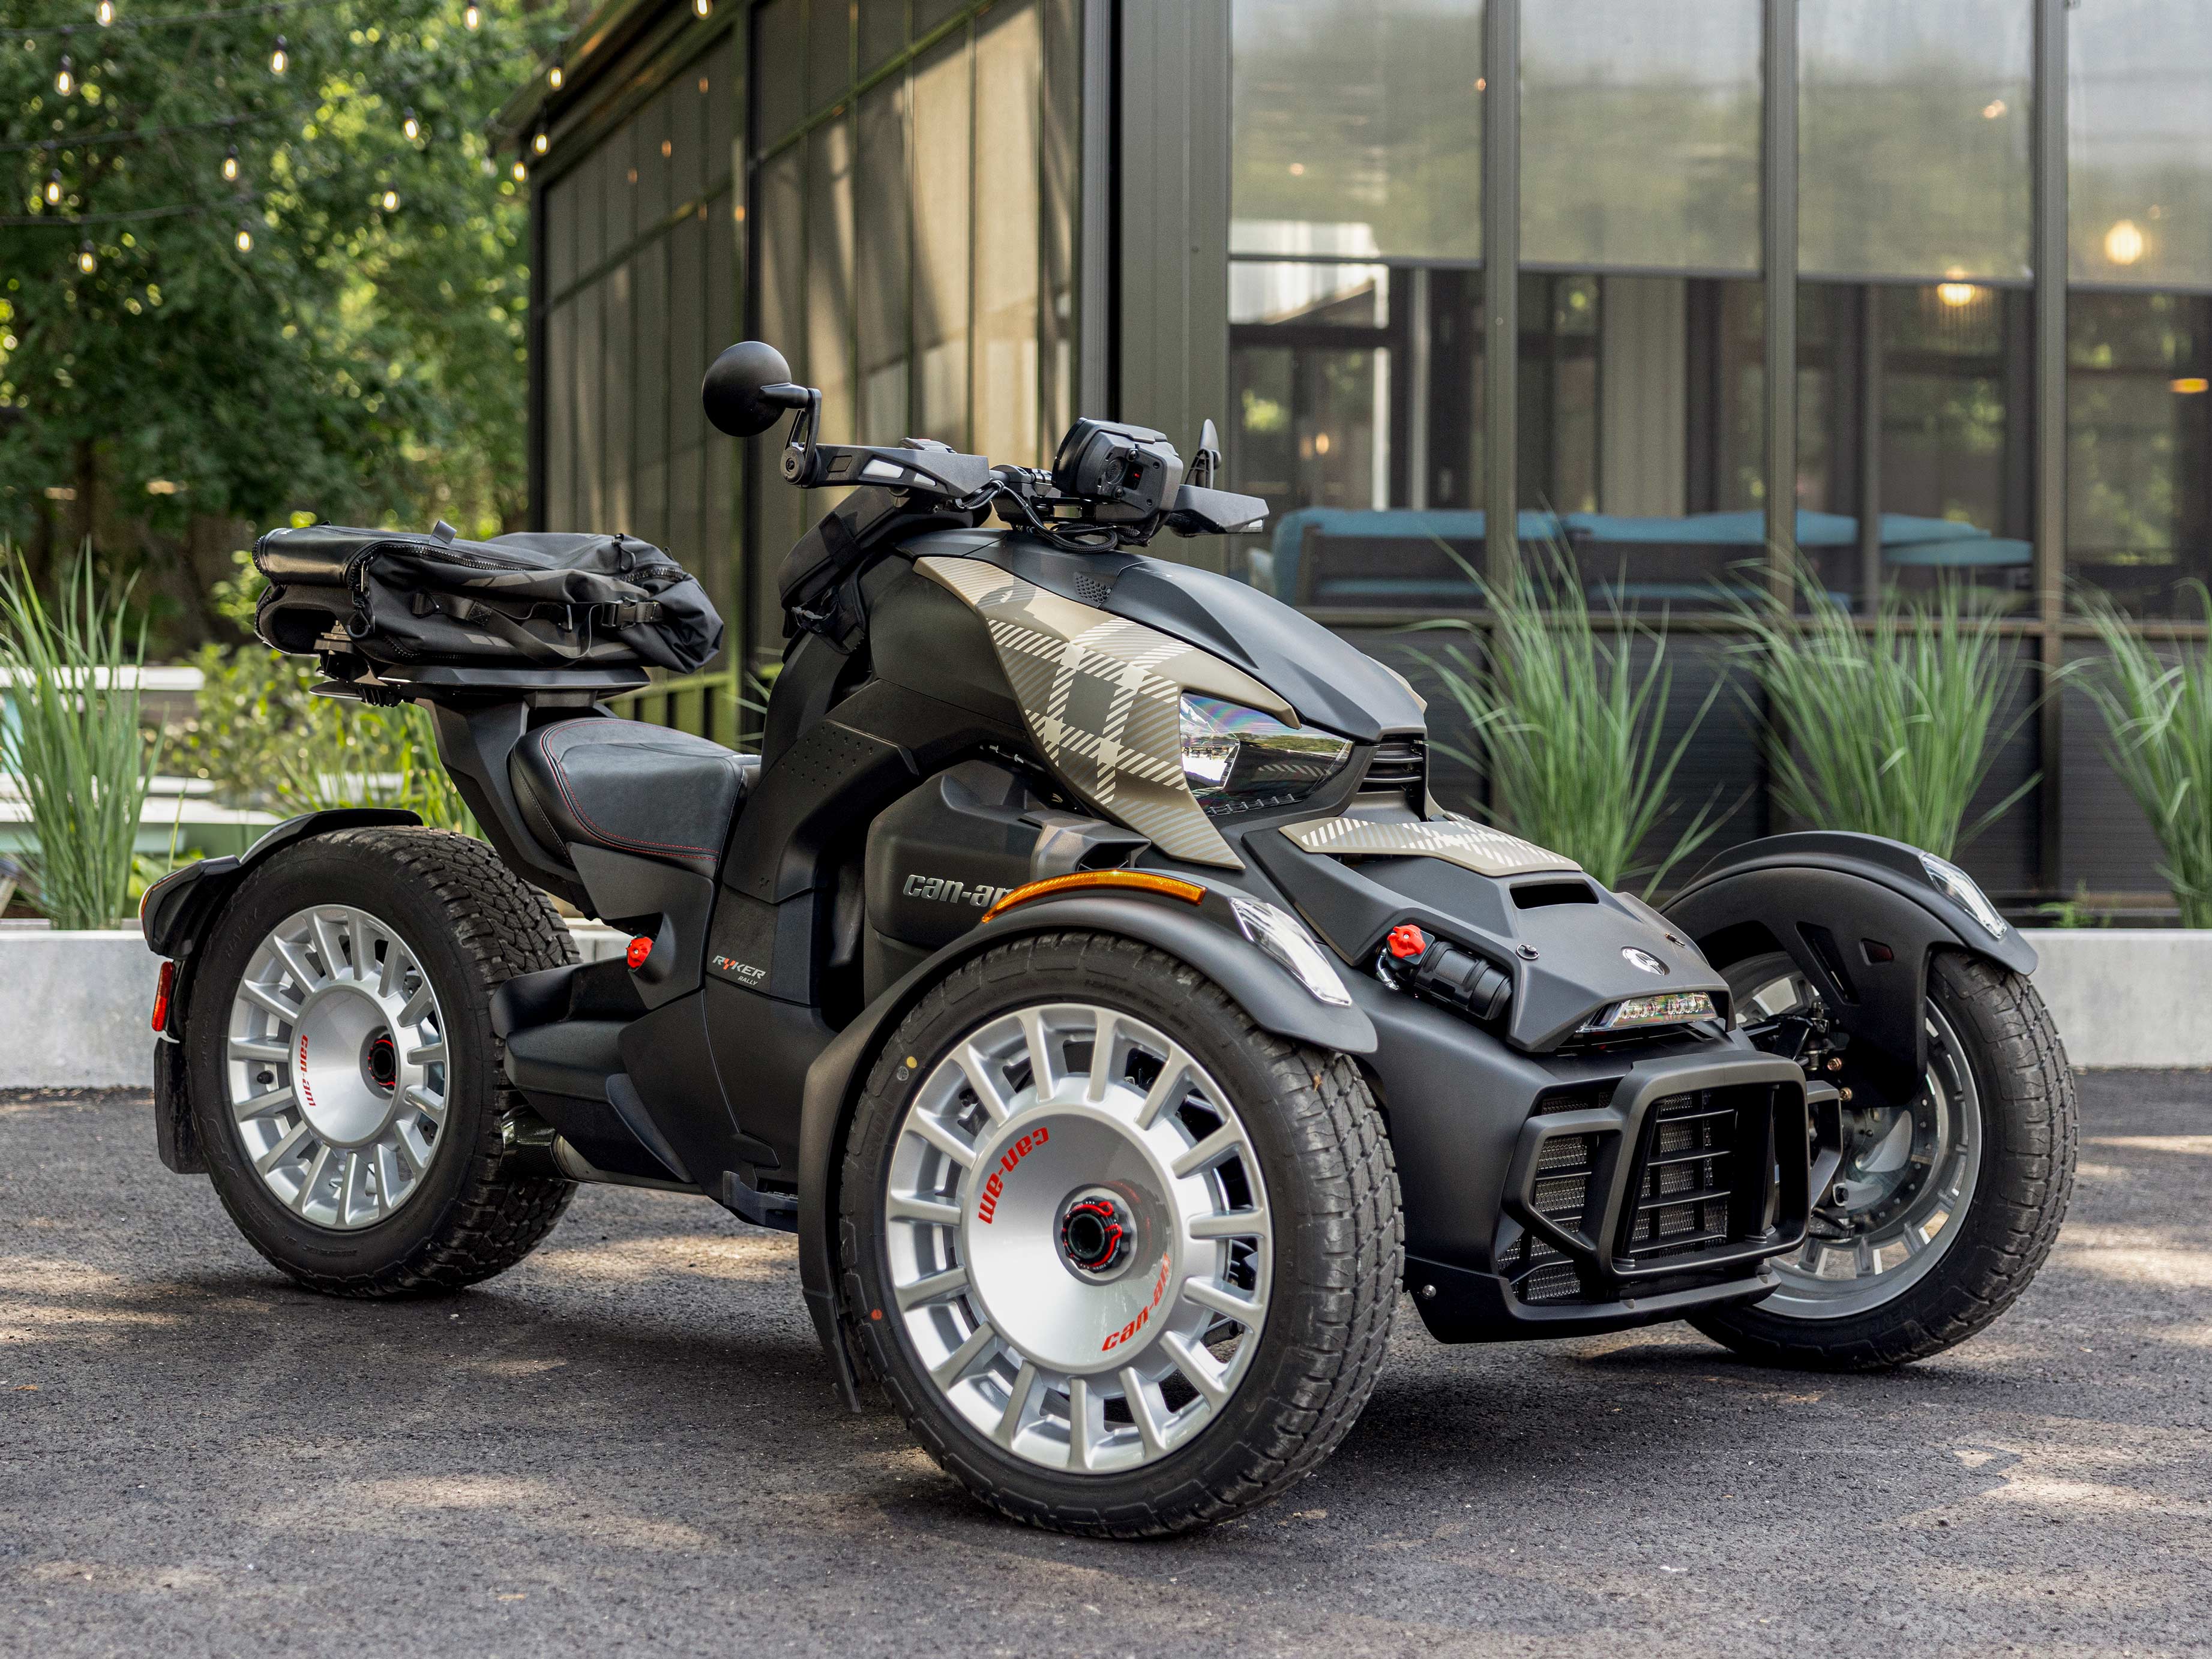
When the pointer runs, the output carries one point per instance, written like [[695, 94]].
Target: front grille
[[1400, 764], [1537, 1271], [1684, 1173]]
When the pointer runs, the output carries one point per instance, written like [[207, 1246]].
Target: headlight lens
[[1239, 760], [1951, 879]]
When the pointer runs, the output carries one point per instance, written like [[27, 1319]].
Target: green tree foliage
[[337, 331]]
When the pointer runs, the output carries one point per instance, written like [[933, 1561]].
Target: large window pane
[[830, 276], [1009, 57], [829, 51], [1357, 127], [2139, 445], [943, 134], [1640, 133], [779, 512], [1913, 138], [883, 245], [1063, 147], [778, 51], [1914, 442], [2139, 131]]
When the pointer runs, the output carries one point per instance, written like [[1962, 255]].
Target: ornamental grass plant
[[1889, 729], [2157, 724], [72, 739], [1568, 728]]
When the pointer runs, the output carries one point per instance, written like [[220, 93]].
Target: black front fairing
[[1331, 684]]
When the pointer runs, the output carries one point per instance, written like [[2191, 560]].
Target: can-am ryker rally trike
[[1084, 970]]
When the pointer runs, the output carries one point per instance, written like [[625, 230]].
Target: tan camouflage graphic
[[1472, 846], [1103, 698]]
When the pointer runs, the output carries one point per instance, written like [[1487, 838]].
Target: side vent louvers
[[1400, 764]]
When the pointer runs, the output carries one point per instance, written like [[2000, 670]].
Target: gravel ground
[[630, 1444]]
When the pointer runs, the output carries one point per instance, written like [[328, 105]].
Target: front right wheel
[[1946, 1203], [1125, 1262]]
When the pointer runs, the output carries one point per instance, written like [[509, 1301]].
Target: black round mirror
[[736, 391]]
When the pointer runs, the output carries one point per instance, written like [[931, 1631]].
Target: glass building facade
[[1678, 291]]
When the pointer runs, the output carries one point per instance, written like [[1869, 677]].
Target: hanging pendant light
[[105, 12], [411, 127], [554, 77], [391, 200], [65, 77], [85, 258], [540, 143], [521, 171], [244, 239], [280, 58], [472, 15], [53, 191], [230, 165]]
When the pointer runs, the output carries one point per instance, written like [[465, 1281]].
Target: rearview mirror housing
[[749, 388]]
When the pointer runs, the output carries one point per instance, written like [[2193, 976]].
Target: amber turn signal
[[162, 988], [1143, 880]]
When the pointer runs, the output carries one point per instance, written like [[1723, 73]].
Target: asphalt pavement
[[629, 1444]]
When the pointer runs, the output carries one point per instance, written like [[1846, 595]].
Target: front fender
[[1275, 1000], [1835, 903], [175, 916]]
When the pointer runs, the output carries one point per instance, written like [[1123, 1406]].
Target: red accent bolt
[[639, 949], [1407, 941]]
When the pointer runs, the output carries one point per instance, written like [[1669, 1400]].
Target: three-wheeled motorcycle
[[1084, 971]]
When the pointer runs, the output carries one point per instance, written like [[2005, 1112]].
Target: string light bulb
[[105, 12], [554, 77], [390, 199], [245, 238], [472, 15], [65, 77], [411, 127], [540, 143], [280, 58], [521, 171], [230, 165], [85, 260], [54, 188], [703, 8]]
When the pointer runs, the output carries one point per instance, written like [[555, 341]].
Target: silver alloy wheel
[[1908, 1173], [1080, 1246], [336, 1068]]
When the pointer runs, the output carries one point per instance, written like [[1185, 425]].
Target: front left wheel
[[1126, 1263]]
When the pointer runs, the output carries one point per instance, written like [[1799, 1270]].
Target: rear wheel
[[1126, 1263], [1946, 1203], [344, 1079]]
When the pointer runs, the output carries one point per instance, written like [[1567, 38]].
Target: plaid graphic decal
[[1472, 846], [1103, 698]]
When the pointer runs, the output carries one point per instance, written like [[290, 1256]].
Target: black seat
[[634, 788]]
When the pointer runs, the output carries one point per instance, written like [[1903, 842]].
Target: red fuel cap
[[1407, 941], [639, 949]]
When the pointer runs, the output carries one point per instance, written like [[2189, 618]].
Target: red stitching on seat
[[561, 777]]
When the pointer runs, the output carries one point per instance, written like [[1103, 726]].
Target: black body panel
[[1562, 939], [1834, 902]]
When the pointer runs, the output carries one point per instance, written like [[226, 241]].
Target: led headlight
[[1950, 880], [1660, 1008], [1239, 760]]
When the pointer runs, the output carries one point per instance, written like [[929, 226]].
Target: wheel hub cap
[[1080, 1247], [335, 1067]]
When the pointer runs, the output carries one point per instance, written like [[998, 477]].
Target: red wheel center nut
[[1407, 941], [639, 949]]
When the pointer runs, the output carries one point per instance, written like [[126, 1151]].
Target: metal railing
[[717, 705]]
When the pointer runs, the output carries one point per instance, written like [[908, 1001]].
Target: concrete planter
[[2128, 997], [74, 1006]]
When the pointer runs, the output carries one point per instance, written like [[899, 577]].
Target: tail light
[[162, 988]]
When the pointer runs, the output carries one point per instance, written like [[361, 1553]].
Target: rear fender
[[177, 913], [1275, 1000], [1835, 902]]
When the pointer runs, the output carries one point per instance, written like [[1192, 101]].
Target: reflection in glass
[[1356, 127], [2139, 445], [1640, 133], [2139, 138], [884, 264], [1913, 131], [1009, 56], [942, 139], [829, 281]]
